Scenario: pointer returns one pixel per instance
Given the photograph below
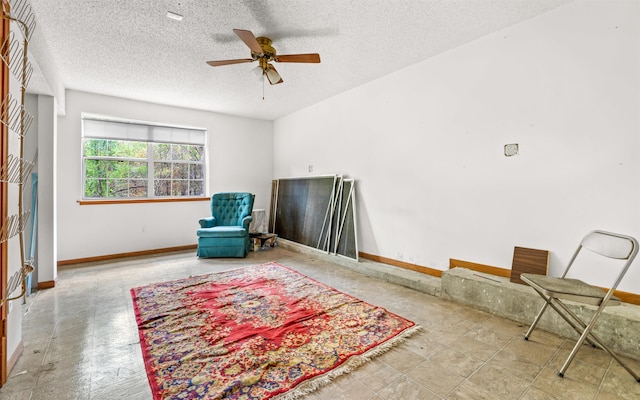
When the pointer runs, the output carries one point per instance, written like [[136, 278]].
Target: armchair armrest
[[246, 221], [207, 222]]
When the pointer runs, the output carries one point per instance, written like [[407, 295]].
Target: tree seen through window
[[136, 169]]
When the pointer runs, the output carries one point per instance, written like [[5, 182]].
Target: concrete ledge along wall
[[618, 326]]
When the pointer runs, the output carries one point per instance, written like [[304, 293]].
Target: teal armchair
[[226, 232]]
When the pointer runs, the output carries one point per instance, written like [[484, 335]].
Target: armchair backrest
[[230, 209]]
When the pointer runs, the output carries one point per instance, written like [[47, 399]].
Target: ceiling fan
[[264, 53]]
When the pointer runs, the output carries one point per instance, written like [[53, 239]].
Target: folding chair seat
[[556, 290]]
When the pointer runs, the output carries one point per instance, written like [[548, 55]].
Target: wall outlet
[[310, 168]]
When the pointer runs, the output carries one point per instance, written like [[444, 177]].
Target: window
[[132, 160]]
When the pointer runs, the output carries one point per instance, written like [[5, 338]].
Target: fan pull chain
[[263, 74]]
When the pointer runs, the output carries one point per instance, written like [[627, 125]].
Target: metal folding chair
[[556, 290]]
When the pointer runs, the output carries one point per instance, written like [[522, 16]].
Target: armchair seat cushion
[[222, 232]]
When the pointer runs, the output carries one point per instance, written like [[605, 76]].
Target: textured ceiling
[[130, 49]]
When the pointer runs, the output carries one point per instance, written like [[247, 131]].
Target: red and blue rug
[[259, 332]]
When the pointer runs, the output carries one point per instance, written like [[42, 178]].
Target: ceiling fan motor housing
[[268, 51]]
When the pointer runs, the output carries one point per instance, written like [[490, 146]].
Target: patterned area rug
[[259, 332]]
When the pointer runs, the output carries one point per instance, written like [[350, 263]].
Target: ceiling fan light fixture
[[174, 16], [258, 71], [272, 75]]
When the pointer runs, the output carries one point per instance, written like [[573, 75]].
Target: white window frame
[[112, 128]]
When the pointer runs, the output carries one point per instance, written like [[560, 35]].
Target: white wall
[[40, 146], [239, 159], [425, 144], [47, 241]]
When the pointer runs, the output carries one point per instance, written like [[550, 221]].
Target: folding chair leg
[[549, 302], [573, 353], [535, 321], [579, 329], [575, 349], [625, 366], [585, 335]]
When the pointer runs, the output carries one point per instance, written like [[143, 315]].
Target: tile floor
[[81, 341]]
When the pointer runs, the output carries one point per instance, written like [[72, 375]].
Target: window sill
[[135, 201]]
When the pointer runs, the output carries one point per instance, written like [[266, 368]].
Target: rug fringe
[[351, 364]]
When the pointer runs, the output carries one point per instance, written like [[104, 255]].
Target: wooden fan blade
[[229, 62], [272, 75], [249, 39], [299, 58]]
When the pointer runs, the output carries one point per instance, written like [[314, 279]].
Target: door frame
[[4, 246]]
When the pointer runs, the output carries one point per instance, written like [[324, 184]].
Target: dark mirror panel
[[316, 212]]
